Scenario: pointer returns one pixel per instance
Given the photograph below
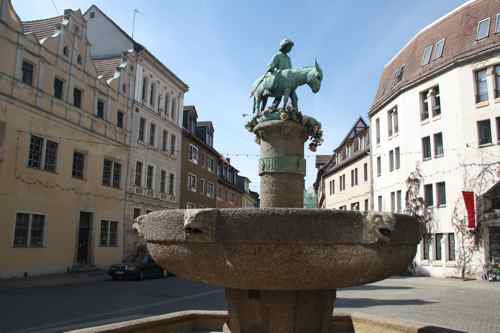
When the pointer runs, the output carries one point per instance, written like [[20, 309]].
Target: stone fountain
[[281, 265]]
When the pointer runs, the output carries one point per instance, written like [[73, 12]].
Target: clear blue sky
[[220, 47]]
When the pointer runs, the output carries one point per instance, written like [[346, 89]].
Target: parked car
[[137, 268]]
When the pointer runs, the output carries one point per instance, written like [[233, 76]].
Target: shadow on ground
[[367, 302]]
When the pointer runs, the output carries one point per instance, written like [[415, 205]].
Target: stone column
[[282, 166]]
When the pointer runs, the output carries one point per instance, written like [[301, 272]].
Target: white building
[[157, 95], [344, 178], [437, 107]]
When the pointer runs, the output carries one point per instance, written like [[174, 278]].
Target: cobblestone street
[[471, 306]]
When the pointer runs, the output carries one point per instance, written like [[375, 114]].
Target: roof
[[359, 125], [42, 28], [139, 47], [322, 160], [107, 66], [458, 29]]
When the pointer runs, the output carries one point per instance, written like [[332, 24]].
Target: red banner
[[470, 206]]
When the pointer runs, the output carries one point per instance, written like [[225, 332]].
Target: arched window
[[144, 89], [152, 95]]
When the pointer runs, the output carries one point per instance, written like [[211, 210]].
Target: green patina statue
[[281, 80]]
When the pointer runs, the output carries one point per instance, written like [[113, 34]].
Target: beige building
[[63, 153], [344, 178]]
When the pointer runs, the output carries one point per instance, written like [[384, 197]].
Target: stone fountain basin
[[280, 248]]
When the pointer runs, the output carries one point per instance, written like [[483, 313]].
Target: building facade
[[344, 178], [63, 148], [229, 192], [436, 114], [199, 162], [157, 95]]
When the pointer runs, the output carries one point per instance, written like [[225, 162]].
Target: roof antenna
[[55, 7], [136, 11]]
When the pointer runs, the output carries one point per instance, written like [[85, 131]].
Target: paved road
[[468, 306]]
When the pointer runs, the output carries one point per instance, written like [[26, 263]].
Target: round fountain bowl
[[281, 248]]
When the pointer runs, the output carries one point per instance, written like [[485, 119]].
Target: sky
[[220, 47]]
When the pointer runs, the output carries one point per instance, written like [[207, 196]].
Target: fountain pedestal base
[[269, 311]]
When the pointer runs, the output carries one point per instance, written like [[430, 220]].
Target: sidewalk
[[51, 280]]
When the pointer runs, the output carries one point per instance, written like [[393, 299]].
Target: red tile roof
[[42, 28], [458, 28], [107, 66]]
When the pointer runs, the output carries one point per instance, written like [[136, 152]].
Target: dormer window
[[483, 29], [398, 74], [426, 56], [438, 50]]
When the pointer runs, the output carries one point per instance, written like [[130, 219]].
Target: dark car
[[137, 268]]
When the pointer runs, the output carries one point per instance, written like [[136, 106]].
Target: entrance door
[[84, 229]]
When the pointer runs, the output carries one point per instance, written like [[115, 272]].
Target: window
[[173, 108], [397, 163], [164, 140], [152, 95], [497, 81], [484, 132], [29, 230], [481, 86], [28, 70], [355, 206], [211, 164], [109, 233], [124, 88], [203, 158], [342, 183], [58, 88], [439, 239], [438, 50], [193, 154], [172, 144], [42, 154], [343, 207], [332, 187], [395, 120], [120, 119], [152, 134], [398, 75], [379, 166], [366, 205], [379, 201], [377, 130], [391, 160], [352, 178], [136, 213], [138, 174], [438, 145], [100, 109], [201, 186], [142, 129], [498, 129], [393, 202], [424, 105], [497, 28], [426, 56], [65, 51], [451, 247], [144, 89], [389, 123], [78, 165], [171, 183], [365, 172], [426, 148], [426, 246], [428, 197], [167, 100], [436, 101], [210, 190], [150, 177], [79, 59], [163, 181], [441, 194], [398, 201], [111, 173], [191, 183], [50, 156], [483, 29], [92, 15], [77, 98]]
